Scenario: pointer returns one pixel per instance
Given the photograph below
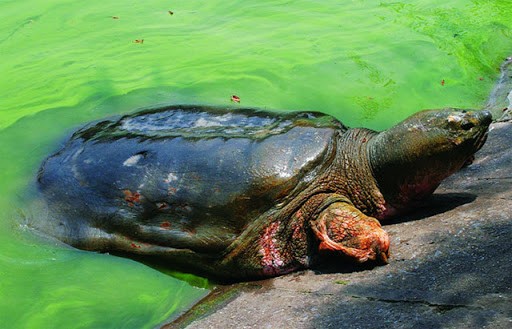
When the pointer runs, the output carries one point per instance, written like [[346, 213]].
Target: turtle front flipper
[[342, 227]]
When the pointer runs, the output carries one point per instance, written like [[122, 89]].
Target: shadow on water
[[194, 278]]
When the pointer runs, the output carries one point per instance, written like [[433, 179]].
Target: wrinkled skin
[[245, 194]]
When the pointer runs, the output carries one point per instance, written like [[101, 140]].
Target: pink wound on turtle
[[271, 257]]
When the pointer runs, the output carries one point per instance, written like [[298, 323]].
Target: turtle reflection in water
[[241, 194]]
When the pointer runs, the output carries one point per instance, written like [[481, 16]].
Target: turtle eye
[[467, 125], [459, 122]]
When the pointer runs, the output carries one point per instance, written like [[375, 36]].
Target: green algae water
[[64, 63]]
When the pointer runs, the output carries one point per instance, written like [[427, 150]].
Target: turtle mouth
[[480, 141], [477, 142]]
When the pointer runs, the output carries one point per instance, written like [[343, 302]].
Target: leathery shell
[[185, 176]]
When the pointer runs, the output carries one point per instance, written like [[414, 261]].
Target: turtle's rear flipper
[[342, 227]]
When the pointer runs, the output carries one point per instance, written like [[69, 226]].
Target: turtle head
[[410, 160]]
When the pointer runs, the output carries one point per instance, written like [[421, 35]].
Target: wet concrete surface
[[451, 267]]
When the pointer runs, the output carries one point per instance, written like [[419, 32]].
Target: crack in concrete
[[439, 308], [304, 291]]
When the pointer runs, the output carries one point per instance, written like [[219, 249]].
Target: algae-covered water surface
[[64, 63]]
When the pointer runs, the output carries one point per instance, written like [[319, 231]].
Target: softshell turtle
[[244, 193]]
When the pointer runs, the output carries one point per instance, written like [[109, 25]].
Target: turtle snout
[[485, 117], [477, 118]]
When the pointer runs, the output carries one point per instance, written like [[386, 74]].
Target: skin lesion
[[271, 258], [132, 198], [275, 257]]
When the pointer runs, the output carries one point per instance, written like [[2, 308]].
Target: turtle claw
[[343, 228], [384, 258]]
